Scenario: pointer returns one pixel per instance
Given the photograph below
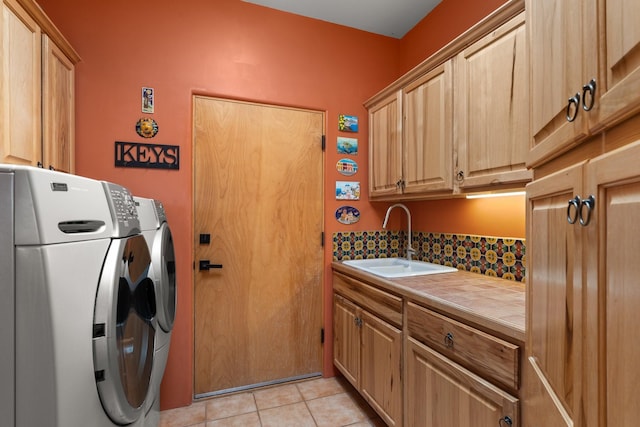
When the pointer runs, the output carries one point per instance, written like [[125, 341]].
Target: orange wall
[[233, 49]]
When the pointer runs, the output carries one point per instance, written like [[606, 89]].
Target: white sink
[[398, 267]]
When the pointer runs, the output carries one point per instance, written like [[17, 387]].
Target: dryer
[[78, 307], [156, 231]]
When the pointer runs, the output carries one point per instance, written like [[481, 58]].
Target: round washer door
[[124, 330], [163, 268]]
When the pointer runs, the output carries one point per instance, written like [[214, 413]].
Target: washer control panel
[[162, 216], [123, 210]]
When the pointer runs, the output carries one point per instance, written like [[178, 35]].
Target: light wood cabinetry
[[492, 109], [368, 344], [453, 365], [458, 122], [428, 132], [37, 91], [582, 299], [441, 393], [585, 66], [385, 146]]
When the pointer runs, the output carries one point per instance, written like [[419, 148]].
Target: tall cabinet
[[582, 211], [36, 90]]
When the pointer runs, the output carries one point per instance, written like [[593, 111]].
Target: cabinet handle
[[576, 203], [575, 101], [358, 322], [460, 176], [589, 88], [399, 183], [590, 203], [506, 421], [448, 340], [40, 165]]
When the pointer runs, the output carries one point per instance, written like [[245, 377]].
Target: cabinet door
[[440, 393], [563, 57], [58, 108], [380, 382], [554, 302], [492, 108], [613, 294], [346, 339], [20, 124], [621, 85], [428, 132], [385, 147]]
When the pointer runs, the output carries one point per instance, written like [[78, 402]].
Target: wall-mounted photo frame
[[347, 123], [148, 100], [347, 190], [347, 145]]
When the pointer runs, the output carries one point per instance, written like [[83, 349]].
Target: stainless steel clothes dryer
[[156, 231], [81, 321]]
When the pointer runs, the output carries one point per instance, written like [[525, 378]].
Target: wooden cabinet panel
[[613, 295], [492, 108], [58, 113], [621, 58], [441, 393], [428, 132], [483, 353], [554, 294], [380, 383], [385, 147], [383, 304], [346, 339], [20, 86]]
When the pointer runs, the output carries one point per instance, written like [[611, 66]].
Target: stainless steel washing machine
[[78, 307]]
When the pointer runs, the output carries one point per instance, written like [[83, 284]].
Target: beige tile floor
[[322, 402]]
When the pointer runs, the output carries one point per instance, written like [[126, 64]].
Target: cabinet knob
[[575, 202], [573, 107], [590, 89], [448, 340], [506, 421], [590, 203]]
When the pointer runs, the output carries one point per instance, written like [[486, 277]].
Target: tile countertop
[[489, 303]]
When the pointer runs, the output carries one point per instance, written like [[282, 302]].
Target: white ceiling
[[393, 18]]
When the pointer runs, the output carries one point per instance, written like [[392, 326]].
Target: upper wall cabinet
[[428, 132], [492, 109], [458, 122], [585, 70], [37, 89]]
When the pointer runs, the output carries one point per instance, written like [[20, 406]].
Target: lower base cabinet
[[441, 393], [367, 344]]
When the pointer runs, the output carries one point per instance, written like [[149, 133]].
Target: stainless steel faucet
[[410, 250]]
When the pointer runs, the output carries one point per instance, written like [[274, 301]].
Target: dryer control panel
[[123, 210]]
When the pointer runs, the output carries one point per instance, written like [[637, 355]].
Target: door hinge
[[324, 142], [322, 336], [322, 239]]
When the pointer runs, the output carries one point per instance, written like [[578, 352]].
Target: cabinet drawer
[[485, 354], [383, 304]]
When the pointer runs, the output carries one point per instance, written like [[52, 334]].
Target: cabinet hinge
[[324, 142], [322, 336], [322, 239]]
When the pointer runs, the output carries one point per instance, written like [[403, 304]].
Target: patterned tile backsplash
[[493, 256]]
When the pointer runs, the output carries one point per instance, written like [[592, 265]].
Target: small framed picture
[[147, 100], [347, 145], [347, 190], [347, 123]]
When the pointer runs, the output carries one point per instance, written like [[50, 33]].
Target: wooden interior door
[[258, 194]]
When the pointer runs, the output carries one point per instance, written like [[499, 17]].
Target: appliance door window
[[124, 329], [164, 274]]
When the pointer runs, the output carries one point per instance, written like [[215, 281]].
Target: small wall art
[[347, 167], [146, 127], [147, 100], [347, 123], [347, 145], [347, 215], [347, 190]]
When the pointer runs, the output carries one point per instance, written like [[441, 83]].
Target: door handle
[[204, 265]]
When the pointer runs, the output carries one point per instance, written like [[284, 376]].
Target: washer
[[156, 231], [79, 345]]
